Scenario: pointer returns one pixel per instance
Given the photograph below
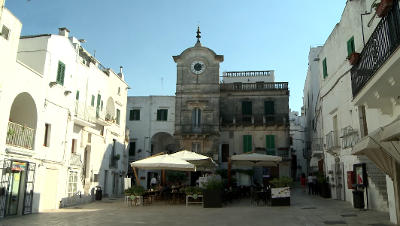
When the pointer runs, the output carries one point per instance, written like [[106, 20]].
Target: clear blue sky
[[143, 35]]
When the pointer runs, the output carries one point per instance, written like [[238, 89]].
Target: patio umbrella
[[255, 159], [200, 161], [163, 162]]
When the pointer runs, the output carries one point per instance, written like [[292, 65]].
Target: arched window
[[196, 117]]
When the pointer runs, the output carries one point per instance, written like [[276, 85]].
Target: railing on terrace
[[20, 136], [75, 160], [255, 120], [332, 140], [199, 129], [317, 144], [383, 42], [349, 137], [89, 113], [246, 73], [238, 86]]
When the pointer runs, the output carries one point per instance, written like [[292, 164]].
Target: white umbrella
[[255, 159], [197, 159], [163, 162]]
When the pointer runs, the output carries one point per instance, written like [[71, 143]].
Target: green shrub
[[213, 184], [281, 182], [136, 190], [193, 191]]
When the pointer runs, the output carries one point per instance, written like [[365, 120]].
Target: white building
[[357, 105], [62, 123], [151, 122], [297, 144]]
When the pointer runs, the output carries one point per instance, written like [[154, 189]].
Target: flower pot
[[212, 198], [354, 58], [280, 196], [384, 7]]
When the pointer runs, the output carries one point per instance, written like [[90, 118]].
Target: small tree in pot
[[213, 193]]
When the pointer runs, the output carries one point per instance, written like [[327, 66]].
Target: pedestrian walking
[[314, 185], [310, 183]]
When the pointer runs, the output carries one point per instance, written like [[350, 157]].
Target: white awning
[[201, 162], [255, 159], [163, 162], [391, 132]]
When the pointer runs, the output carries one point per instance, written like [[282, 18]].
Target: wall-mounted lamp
[[51, 84], [67, 92]]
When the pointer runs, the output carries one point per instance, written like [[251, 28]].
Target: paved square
[[305, 210]]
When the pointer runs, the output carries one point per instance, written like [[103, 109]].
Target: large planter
[[325, 190], [354, 58], [212, 198], [384, 7], [280, 196]]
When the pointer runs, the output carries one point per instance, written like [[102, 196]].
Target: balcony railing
[[254, 120], [383, 42], [89, 113], [332, 140], [75, 160], [238, 86], [284, 154], [199, 129], [317, 144], [349, 137], [20, 136], [246, 73]]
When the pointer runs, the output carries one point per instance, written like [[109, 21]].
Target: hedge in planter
[[280, 191], [212, 194]]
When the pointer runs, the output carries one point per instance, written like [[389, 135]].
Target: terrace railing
[[238, 86], [20, 136]]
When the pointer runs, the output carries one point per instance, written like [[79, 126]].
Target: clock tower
[[197, 99]]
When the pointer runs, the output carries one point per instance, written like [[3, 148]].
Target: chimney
[[120, 71], [63, 31]]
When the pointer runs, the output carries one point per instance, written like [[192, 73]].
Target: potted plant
[[383, 8], [280, 191], [193, 192], [323, 186], [135, 193], [353, 58], [212, 193]]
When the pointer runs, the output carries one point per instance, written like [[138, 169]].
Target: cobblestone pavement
[[305, 210]]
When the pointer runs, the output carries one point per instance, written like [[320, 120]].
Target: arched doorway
[[163, 142], [110, 109], [22, 122]]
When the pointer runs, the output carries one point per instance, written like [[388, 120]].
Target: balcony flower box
[[384, 7], [354, 58]]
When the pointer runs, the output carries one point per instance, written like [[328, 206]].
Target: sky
[[143, 35]]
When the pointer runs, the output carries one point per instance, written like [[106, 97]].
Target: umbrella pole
[[163, 177], [229, 172], [136, 176]]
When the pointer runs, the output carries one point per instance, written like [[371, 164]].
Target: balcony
[[246, 73], [199, 129], [349, 137], [75, 160], [20, 136], [332, 141], [87, 115], [258, 86], [383, 42], [255, 120]]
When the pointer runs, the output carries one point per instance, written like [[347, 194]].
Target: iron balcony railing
[[20, 136], [238, 86], [199, 129], [332, 140], [255, 120], [383, 42], [317, 144], [246, 73], [75, 160], [349, 137]]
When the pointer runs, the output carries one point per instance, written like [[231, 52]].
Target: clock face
[[197, 67]]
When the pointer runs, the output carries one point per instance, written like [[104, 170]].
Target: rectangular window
[[270, 144], [269, 107], [72, 183], [92, 101], [5, 32], [324, 68], [196, 147], [134, 115], [247, 108], [196, 117], [162, 114], [247, 143], [350, 46], [224, 152], [60, 73], [132, 148], [47, 129], [77, 95], [118, 117], [73, 146]]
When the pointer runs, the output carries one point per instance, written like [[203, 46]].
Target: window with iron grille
[[72, 183]]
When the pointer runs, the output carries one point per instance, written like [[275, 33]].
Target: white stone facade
[[297, 145], [55, 138]]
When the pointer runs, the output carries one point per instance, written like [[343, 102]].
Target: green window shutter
[[60, 73], [247, 143], [270, 144], [269, 107], [247, 108], [77, 95], [350, 46], [131, 115], [165, 114], [92, 102], [118, 116], [158, 115], [325, 68]]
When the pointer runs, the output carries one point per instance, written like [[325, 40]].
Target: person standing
[[153, 182], [303, 181], [314, 185], [310, 184]]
